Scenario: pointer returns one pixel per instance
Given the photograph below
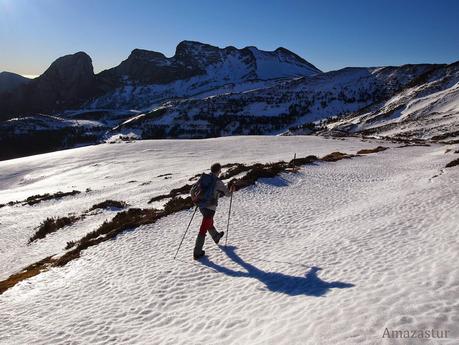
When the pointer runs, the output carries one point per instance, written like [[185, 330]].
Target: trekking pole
[[229, 214], [185, 232]]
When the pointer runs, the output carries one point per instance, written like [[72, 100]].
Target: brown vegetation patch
[[376, 149], [50, 225], [124, 220], [235, 169], [449, 142], [26, 273], [35, 199], [452, 163], [258, 171], [445, 136], [336, 156], [173, 193], [107, 204], [195, 177], [302, 161], [410, 145], [177, 204]]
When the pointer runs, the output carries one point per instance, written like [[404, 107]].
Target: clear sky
[[329, 34]]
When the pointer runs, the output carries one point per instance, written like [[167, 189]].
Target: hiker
[[213, 188]]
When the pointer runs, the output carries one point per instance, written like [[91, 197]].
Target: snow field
[[332, 255]]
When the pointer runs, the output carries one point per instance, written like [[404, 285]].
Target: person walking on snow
[[208, 206]]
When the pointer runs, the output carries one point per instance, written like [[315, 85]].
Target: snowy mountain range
[[206, 91]]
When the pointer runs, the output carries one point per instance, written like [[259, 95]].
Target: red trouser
[[207, 220]]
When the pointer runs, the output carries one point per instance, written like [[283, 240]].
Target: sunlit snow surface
[[332, 255]]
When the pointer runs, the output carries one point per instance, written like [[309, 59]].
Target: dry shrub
[[70, 244], [452, 163], [35, 199], [195, 177], [234, 170], [26, 273], [302, 161], [124, 220], [177, 204], [173, 193], [376, 149], [50, 225], [109, 204], [258, 171], [335, 156]]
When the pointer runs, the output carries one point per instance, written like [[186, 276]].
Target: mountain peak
[[145, 54], [68, 67]]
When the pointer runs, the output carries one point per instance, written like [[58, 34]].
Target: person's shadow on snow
[[309, 285]]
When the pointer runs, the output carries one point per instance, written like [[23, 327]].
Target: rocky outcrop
[[68, 82]]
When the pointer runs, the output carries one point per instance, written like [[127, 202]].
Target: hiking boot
[[216, 236], [200, 255], [198, 252]]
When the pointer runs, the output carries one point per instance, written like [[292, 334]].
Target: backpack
[[202, 191]]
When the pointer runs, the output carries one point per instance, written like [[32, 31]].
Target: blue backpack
[[202, 191]]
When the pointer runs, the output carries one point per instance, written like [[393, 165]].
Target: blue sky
[[329, 34]]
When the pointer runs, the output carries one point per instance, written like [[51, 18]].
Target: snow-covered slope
[[429, 109], [275, 108], [372, 239], [40, 122]]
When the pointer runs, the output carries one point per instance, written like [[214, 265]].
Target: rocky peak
[[71, 71], [142, 54], [196, 54], [67, 82]]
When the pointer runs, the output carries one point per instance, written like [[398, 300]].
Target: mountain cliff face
[[68, 82]]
